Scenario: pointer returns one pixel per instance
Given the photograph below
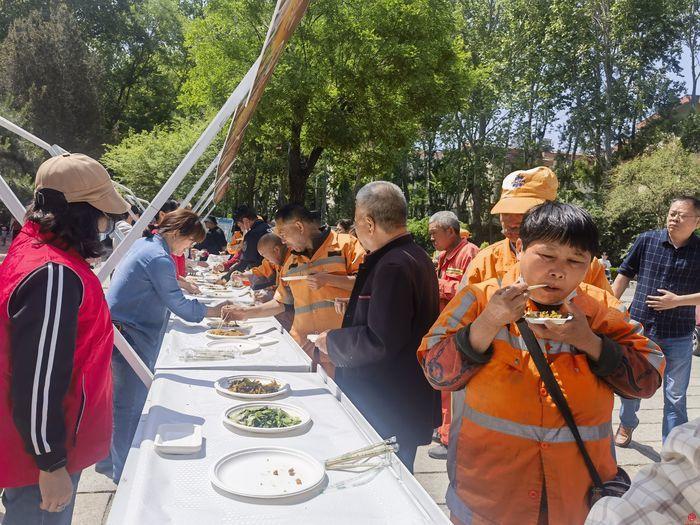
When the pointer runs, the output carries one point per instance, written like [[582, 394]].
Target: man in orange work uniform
[[456, 252], [521, 190], [321, 268], [512, 457]]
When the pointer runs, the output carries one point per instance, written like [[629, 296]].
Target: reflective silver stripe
[[637, 327], [458, 313], [535, 433], [517, 342], [655, 355], [336, 259], [313, 307], [435, 336], [622, 308]]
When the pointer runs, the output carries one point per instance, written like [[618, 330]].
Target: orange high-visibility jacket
[[511, 445], [495, 260], [314, 310], [266, 270]]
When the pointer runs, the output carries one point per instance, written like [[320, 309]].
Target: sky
[[553, 133]]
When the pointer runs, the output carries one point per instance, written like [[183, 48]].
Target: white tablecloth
[[157, 489], [283, 356]]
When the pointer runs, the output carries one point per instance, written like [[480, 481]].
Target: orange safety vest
[[314, 310], [495, 260], [451, 267], [266, 270], [510, 442]]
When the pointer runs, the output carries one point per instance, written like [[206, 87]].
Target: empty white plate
[[267, 472], [240, 346]]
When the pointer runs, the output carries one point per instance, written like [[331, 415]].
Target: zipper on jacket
[[80, 414]]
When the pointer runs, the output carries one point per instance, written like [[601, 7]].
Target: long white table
[[159, 489], [285, 355]]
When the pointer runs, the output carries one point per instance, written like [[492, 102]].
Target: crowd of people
[[427, 349]]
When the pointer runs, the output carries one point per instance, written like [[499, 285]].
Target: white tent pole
[[53, 150], [203, 142], [197, 207], [15, 206], [211, 194], [11, 201], [131, 357], [200, 181], [209, 201]]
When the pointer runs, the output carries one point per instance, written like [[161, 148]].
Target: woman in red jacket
[[55, 343]]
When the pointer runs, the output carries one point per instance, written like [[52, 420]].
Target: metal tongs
[[359, 459]]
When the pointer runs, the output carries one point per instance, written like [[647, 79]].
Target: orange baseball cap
[[525, 189], [81, 179]]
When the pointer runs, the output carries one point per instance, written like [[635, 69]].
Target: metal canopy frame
[[240, 94]]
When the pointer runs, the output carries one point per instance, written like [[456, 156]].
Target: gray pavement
[[96, 492]]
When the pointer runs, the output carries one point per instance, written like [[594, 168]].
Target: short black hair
[[562, 223], [135, 210], [689, 198], [74, 225], [170, 205], [296, 212], [345, 224], [245, 212]]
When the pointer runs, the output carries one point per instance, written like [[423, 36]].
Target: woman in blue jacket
[[143, 293]]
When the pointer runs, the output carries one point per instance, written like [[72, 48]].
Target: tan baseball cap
[[81, 179], [525, 189]]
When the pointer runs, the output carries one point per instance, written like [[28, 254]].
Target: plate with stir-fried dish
[[266, 418], [543, 316], [251, 386]]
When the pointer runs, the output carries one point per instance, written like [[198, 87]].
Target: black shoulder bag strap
[[557, 395]]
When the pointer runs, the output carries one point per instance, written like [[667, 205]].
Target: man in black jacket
[[215, 241], [253, 228], [393, 304]]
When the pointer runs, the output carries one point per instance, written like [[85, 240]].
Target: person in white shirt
[[123, 227]]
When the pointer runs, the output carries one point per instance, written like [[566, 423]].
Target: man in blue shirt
[[667, 265]]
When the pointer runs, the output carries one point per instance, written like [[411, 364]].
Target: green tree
[[640, 191], [356, 76]]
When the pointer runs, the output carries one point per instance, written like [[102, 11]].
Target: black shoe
[[436, 436], [438, 452]]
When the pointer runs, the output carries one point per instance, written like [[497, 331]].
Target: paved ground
[[95, 492]]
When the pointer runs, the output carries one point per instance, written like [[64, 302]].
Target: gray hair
[[385, 203], [446, 219]]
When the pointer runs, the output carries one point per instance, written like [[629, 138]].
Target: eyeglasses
[[680, 216]]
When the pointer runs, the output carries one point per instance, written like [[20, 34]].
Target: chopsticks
[[536, 286], [359, 458]]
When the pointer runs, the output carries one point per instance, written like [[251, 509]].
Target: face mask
[[109, 229]]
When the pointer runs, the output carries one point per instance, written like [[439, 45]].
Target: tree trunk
[[300, 166]]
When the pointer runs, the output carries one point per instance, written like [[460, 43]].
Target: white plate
[[222, 386], [295, 278], [178, 438], [216, 323], [229, 337], [264, 340], [240, 346], [543, 320], [290, 409], [250, 473]]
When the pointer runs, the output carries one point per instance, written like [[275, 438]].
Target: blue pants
[[129, 397], [679, 354], [22, 506]]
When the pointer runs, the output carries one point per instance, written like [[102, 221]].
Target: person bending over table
[[322, 264], [143, 293]]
